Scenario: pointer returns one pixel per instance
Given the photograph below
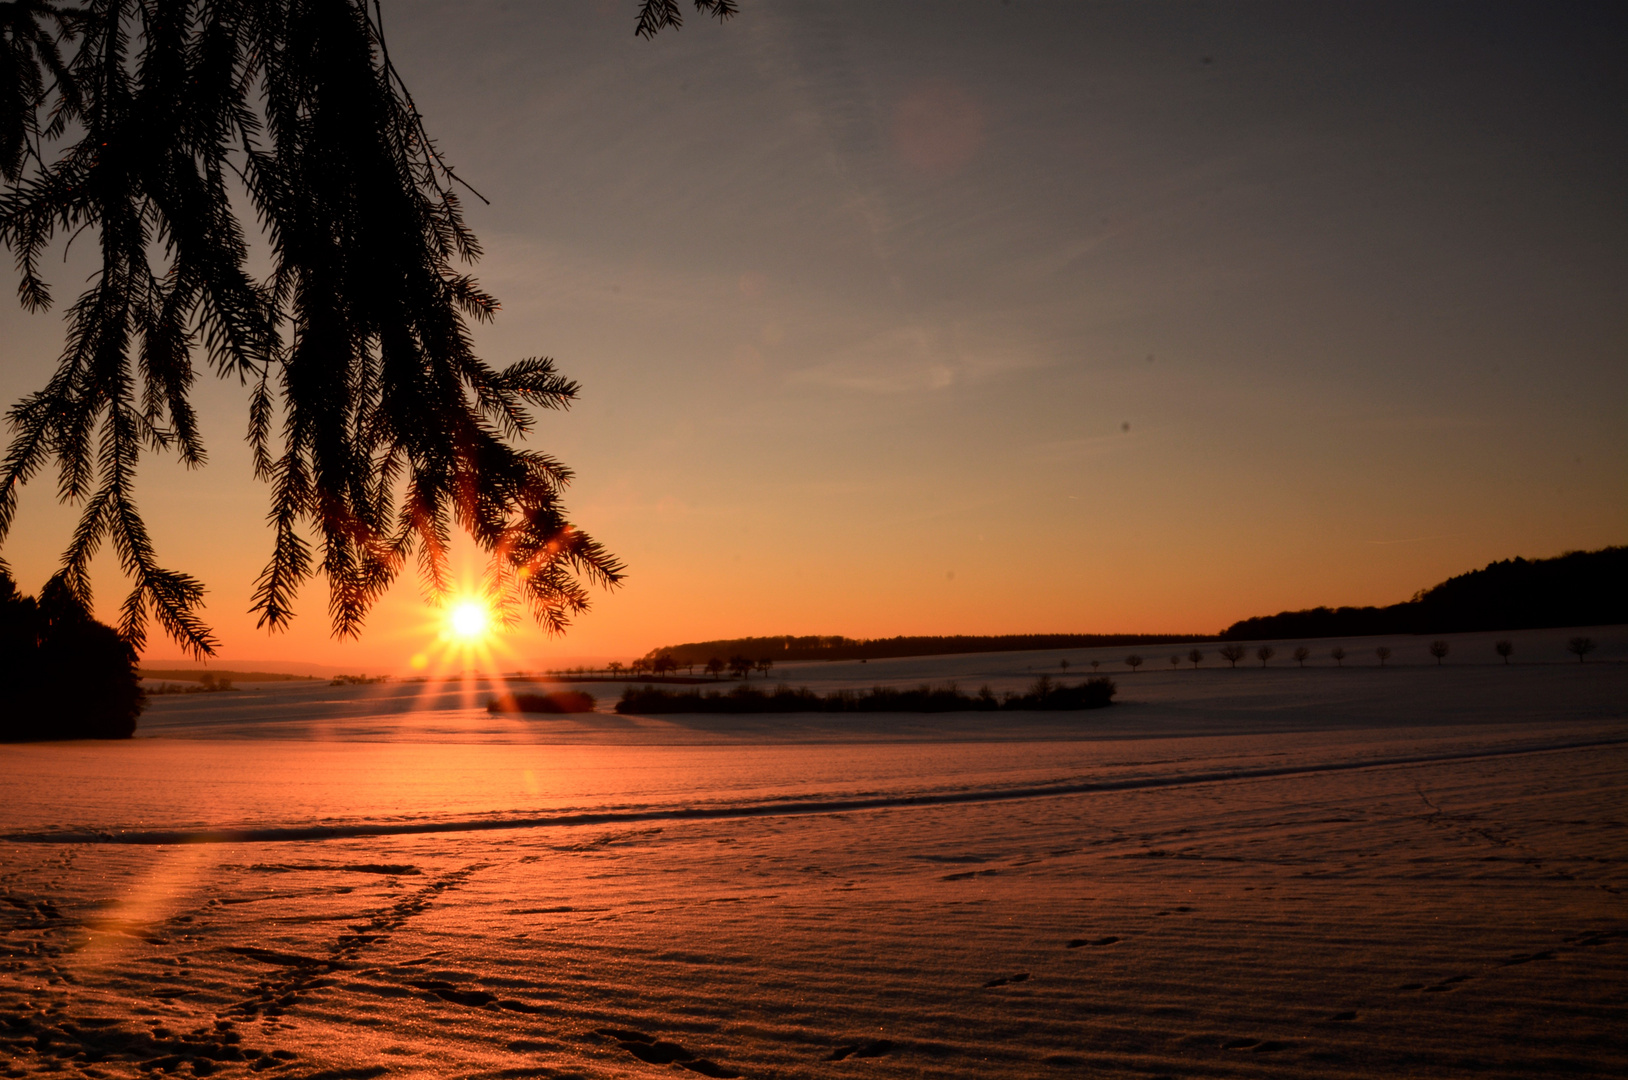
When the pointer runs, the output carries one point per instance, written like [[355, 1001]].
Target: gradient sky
[[1005, 317]]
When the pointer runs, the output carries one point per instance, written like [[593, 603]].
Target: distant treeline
[[66, 676], [207, 675], [210, 685], [784, 648], [1581, 588], [1043, 695]]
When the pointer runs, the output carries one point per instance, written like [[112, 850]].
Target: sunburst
[[469, 621]]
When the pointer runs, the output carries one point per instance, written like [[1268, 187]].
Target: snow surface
[[1357, 872]]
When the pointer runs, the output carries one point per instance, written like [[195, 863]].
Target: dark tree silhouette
[[1580, 588], [765, 665], [1300, 653], [1503, 649], [66, 676], [1338, 655], [1134, 662], [1232, 654], [150, 122], [1175, 661], [715, 667], [1265, 653], [1439, 650], [1195, 657], [1095, 664], [1384, 654], [1580, 647], [740, 667]]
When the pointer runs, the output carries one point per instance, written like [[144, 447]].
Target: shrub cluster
[[1043, 695], [560, 701]]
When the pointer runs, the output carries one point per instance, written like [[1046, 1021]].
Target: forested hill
[[1580, 588], [781, 649]]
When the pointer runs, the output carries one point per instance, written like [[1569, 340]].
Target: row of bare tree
[[740, 667], [1579, 647]]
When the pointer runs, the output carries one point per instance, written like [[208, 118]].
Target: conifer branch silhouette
[[375, 424]]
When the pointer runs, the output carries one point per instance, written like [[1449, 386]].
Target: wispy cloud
[[1413, 539], [915, 358]]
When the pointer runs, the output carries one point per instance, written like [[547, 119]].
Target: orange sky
[[1019, 319]]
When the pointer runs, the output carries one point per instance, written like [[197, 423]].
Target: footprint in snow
[[1022, 976], [874, 1048], [1095, 943], [447, 992], [654, 1051]]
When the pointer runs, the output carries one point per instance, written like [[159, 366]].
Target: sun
[[464, 630], [469, 621]]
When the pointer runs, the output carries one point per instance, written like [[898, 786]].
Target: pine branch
[[363, 320]]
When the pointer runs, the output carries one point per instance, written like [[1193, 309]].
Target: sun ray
[[464, 647]]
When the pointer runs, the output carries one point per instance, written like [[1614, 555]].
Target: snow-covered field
[[1331, 872]]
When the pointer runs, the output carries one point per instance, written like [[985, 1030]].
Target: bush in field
[[560, 701], [1232, 654], [66, 675], [1503, 649], [1090, 694], [1580, 647]]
